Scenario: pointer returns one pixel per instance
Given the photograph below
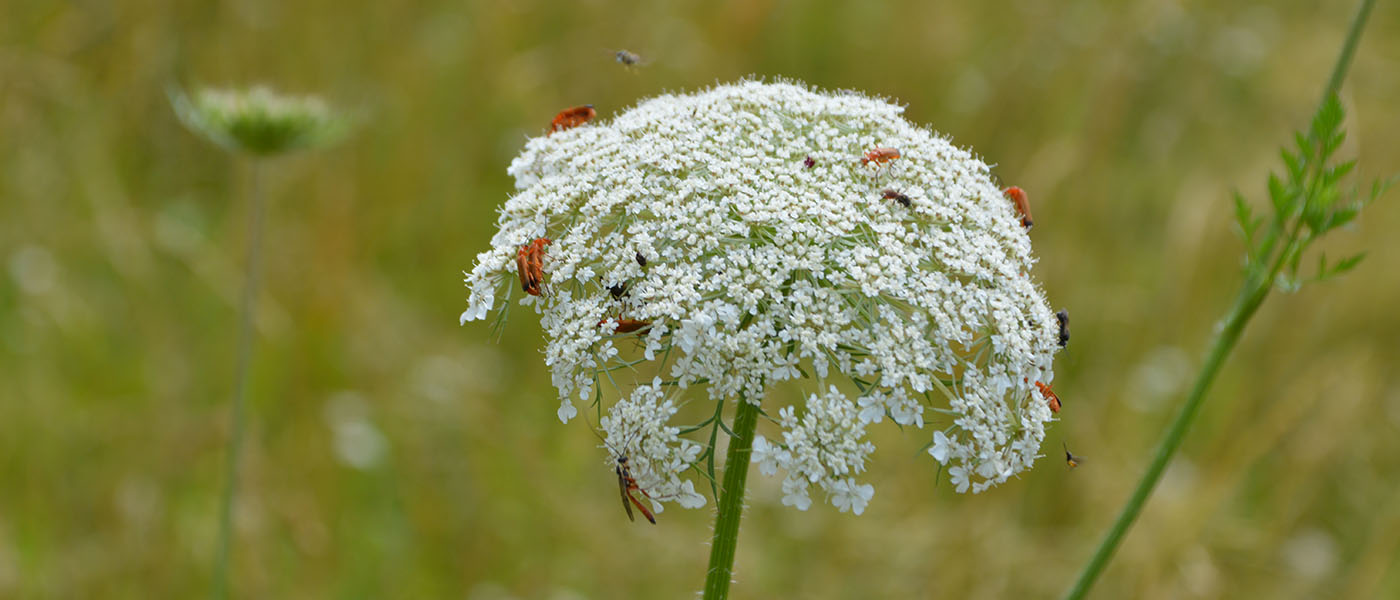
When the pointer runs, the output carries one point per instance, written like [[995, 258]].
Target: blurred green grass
[[121, 235]]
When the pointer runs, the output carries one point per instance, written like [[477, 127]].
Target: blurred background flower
[[257, 120], [260, 123]]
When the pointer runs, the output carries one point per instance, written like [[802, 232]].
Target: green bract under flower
[[258, 121], [742, 224]]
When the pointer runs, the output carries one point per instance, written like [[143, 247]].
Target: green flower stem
[[252, 275], [1256, 288], [1244, 308], [731, 502], [1339, 70]]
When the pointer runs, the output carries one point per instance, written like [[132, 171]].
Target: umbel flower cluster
[[259, 121], [740, 237]]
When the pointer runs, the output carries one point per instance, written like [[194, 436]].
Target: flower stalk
[[1303, 212], [252, 276], [731, 502], [260, 124]]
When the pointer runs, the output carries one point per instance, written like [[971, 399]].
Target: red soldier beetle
[[1049, 396], [1023, 204], [572, 117], [880, 155], [627, 325]]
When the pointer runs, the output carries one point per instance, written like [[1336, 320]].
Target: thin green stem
[[251, 277], [1220, 350], [731, 502], [1255, 289], [1339, 70]]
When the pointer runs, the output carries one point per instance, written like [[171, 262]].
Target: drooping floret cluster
[[735, 238]]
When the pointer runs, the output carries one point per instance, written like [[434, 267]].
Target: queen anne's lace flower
[[259, 121], [742, 225]]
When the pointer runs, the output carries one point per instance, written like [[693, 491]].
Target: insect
[[641, 260], [627, 325], [1023, 204], [889, 194], [629, 59], [1063, 318], [809, 162], [572, 117], [617, 290], [625, 485], [530, 262], [1070, 459], [880, 155], [1050, 396]]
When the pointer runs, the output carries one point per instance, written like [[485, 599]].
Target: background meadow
[[393, 454]]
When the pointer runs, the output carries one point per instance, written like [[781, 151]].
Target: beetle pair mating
[[529, 262]]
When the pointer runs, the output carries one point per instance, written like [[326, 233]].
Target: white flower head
[[259, 121], [738, 237]]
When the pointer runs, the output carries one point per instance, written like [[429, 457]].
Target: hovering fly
[[629, 59], [1070, 459]]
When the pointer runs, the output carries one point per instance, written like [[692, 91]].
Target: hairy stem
[[252, 275], [1255, 289], [731, 502]]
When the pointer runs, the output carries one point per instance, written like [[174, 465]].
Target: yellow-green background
[[122, 235]]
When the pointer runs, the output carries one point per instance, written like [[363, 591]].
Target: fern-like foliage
[[1308, 200]]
